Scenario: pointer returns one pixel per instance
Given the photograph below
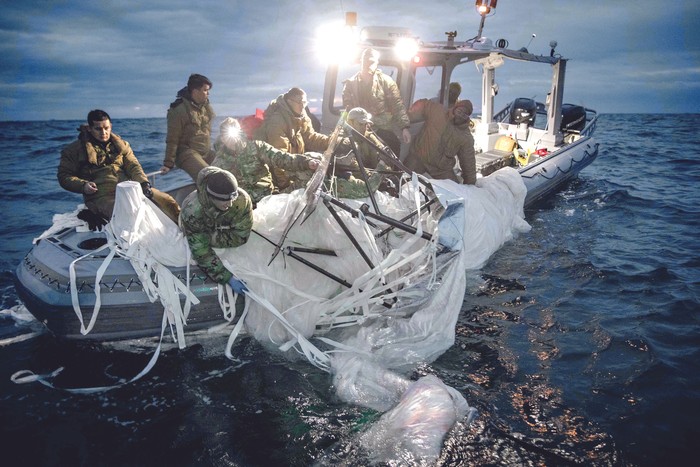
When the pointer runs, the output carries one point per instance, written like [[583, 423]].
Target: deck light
[[336, 43], [484, 8], [405, 48]]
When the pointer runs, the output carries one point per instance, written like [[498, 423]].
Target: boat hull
[[549, 174], [42, 281]]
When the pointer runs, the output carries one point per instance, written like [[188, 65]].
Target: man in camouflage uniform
[[252, 161], [188, 142], [445, 135], [360, 120], [218, 214], [97, 161], [378, 94]]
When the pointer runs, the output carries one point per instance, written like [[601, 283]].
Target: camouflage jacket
[[285, 130], [439, 141], [207, 228], [382, 99], [189, 127], [368, 153], [85, 160], [252, 166]]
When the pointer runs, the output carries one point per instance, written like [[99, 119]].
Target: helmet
[[360, 115]]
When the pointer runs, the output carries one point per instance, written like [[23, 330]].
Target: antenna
[[524, 49], [533, 36]]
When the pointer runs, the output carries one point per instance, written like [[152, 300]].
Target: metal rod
[[349, 234], [406, 217], [363, 173], [288, 251], [397, 224]]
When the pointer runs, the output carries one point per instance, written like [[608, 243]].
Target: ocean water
[[578, 343]]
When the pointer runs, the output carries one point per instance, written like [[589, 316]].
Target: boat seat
[[490, 161]]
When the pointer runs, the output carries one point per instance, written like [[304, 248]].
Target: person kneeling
[[218, 214]]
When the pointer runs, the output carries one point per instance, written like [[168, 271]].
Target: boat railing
[[591, 122], [152, 176], [502, 114]]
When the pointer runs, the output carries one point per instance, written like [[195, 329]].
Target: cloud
[[131, 57]]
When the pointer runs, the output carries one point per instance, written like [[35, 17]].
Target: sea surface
[[578, 343]]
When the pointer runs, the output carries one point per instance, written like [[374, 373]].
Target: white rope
[[98, 278], [27, 376], [313, 354]]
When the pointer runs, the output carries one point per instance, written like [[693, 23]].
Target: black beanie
[[222, 185]]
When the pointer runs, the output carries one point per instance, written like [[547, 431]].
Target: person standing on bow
[[97, 161], [377, 93], [188, 141], [252, 162], [444, 136], [218, 214], [288, 127]]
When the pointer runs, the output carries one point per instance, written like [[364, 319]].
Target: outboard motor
[[523, 110], [573, 118]]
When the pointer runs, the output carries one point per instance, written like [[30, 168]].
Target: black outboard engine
[[523, 110], [573, 118]]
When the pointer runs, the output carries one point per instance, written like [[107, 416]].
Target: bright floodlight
[[406, 48], [335, 43], [484, 7]]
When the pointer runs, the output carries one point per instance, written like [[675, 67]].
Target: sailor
[[252, 162], [361, 120], [97, 161], [188, 141], [218, 214], [377, 93], [288, 126], [445, 135], [453, 92]]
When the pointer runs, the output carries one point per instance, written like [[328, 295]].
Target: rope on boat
[[572, 163]]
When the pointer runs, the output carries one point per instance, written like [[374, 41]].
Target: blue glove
[[238, 286]]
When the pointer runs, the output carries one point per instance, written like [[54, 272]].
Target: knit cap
[[222, 186]]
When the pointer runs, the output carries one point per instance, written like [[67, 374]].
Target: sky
[[61, 59]]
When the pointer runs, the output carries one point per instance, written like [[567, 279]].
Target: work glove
[[237, 285], [95, 221], [147, 191]]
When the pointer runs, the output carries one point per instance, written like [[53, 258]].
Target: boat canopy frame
[[449, 55]]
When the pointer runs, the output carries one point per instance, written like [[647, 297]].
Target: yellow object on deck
[[505, 143]]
